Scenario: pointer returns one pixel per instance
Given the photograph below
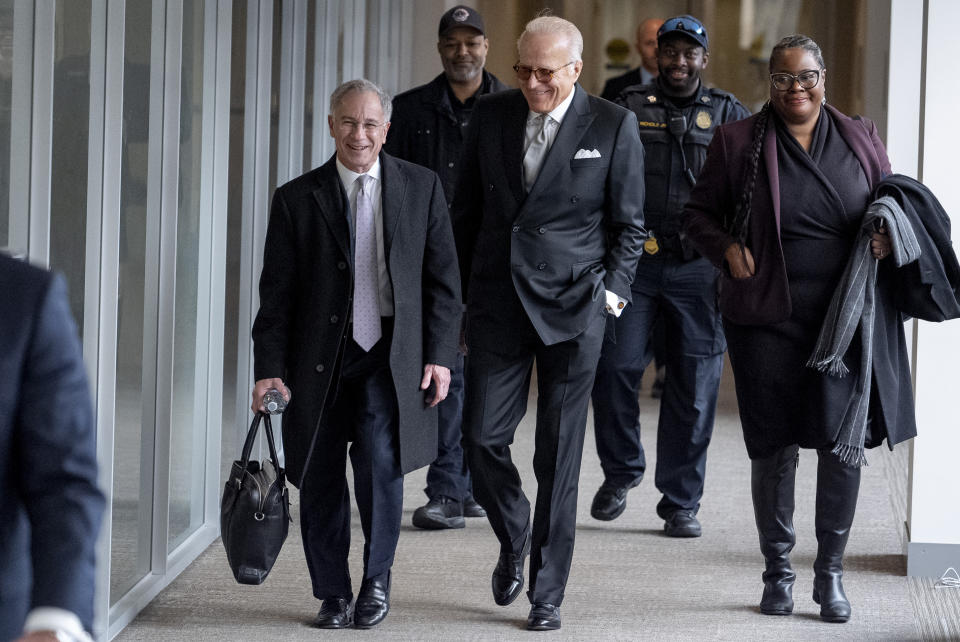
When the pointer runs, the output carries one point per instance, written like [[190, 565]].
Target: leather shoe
[[472, 509], [507, 580], [335, 613], [440, 512], [682, 523], [373, 602], [610, 501], [543, 617]]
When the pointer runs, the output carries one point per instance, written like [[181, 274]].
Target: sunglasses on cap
[[685, 24]]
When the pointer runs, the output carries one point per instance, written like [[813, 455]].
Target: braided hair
[[741, 219], [738, 226]]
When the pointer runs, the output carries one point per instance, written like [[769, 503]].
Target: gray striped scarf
[[852, 305]]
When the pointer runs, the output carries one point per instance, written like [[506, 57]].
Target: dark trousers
[[364, 412], [498, 384], [684, 295], [449, 474]]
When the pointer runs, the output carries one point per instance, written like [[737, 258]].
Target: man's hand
[[740, 261], [440, 378], [260, 389]]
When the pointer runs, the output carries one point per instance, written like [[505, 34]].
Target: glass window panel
[[70, 134], [188, 425], [133, 443], [6, 107]]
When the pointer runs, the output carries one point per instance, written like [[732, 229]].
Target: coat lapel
[[394, 185], [574, 124], [334, 208], [513, 127], [855, 134]]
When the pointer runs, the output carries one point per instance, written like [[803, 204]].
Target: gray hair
[[797, 41], [362, 85], [554, 25]]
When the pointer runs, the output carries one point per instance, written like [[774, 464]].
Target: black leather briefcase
[[254, 510]]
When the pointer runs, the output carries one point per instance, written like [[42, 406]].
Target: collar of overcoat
[[334, 205]]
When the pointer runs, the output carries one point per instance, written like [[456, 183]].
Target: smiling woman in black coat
[[777, 208]]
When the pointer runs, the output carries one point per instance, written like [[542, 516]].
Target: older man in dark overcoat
[[359, 314]]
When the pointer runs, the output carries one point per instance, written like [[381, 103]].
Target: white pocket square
[[583, 153]]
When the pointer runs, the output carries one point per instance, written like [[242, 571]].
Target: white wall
[[922, 105]]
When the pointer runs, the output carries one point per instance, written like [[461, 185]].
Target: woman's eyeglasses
[[543, 75], [784, 82]]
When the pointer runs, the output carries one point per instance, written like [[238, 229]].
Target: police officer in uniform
[[427, 128], [677, 116]]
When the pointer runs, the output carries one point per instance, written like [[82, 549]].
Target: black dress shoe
[[373, 603], [610, 501], [682, 523], [440, 512], [335, 613], [543, 617], [507, 580], [472, 509]]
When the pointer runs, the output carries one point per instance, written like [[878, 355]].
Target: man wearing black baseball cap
[[427, 128], [677, 116]]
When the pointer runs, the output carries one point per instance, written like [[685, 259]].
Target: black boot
[[772, 484], [838, 485]]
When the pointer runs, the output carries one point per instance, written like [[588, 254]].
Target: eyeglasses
[[808, 79], [543, 75], [347, 126]]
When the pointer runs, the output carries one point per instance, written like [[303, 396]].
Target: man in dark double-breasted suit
[[548, 217], [51, 508], [359, 313]]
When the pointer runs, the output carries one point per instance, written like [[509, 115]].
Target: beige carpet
[[628, 581]]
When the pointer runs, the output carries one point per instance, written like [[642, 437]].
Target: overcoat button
[[574, 198], [541, 266], [516, 228], [542, 230], [491, 187], [319, 367], [342, 265], [334, 319], [449, 164]]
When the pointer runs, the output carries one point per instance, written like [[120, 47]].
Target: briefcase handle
[[252, 437]]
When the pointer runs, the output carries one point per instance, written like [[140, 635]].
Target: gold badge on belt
[[703, 119], [650, 246]]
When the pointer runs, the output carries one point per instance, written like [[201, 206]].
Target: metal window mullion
[[107, 28], [292, 71], [256, 179], [169, 215], [41, 143], [217, 121], [326, 77], [21, 126], [354, 32]]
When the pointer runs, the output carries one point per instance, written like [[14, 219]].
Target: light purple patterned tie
[[366, 290]]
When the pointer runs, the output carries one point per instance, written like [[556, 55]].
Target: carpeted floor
[[628, 581]]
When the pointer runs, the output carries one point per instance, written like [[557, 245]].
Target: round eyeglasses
[[543, 75], [808, 79]]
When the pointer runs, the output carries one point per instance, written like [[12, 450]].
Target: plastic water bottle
[[274, 402]]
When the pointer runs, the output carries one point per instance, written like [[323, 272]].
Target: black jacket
[[425, 129], [667, 184], [928, 288]]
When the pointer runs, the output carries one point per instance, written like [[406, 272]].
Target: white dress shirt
[[349, 179]]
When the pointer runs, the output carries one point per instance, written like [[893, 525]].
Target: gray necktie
[[536, 151], [366, 290]]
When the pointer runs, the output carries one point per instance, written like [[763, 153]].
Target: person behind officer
[[647, 71], [428, 126], [677, 116]]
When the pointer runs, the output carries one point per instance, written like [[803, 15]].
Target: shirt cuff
[[615, 303], [49, 618]]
